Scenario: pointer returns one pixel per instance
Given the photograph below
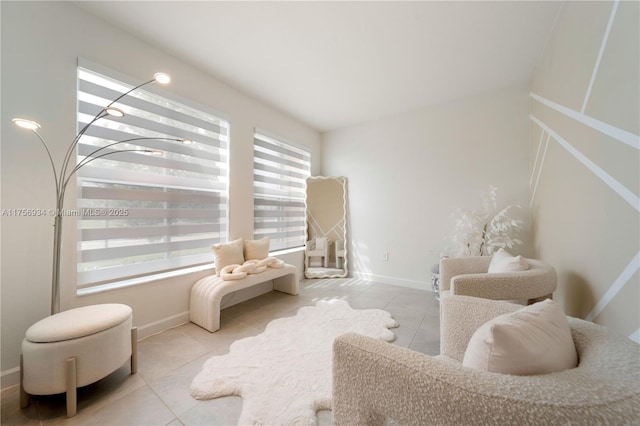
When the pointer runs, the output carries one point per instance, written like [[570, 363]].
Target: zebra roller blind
[[280, 171], [145, 213]]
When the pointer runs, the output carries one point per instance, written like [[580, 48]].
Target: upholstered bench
[[207, 293], [75, 348]]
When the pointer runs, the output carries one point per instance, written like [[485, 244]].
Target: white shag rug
[[284, 374]]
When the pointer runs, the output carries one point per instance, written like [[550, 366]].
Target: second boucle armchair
[[468, 276]]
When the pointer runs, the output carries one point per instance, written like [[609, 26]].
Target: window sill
[[142, 280], [286, 251], [165, 275]]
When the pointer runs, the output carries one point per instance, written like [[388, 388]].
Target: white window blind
[[144, 213], [280, 171]]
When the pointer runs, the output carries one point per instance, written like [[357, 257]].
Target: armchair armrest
[[538, 281], [450, 267]]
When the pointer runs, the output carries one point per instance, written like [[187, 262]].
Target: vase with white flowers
[[482, 231]]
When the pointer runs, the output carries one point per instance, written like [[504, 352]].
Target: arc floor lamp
[[69, 168]]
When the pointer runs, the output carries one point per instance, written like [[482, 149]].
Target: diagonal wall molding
[[609, 180], [544, 155], [616, 133], [618, 284], [600, 53], [535, 162]]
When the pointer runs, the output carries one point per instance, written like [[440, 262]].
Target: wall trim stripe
[[600, 53], [618, 284], [544, 155], [620, 135], [535, 162], [635, 336], [619, 188]]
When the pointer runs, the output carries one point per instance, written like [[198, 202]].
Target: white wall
[[41, 42], [407, 174], [586, 162]]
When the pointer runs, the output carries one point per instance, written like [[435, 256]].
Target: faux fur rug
[[284, 374]]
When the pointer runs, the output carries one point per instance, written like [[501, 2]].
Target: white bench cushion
[[79, 322]]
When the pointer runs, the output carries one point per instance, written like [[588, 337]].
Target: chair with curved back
[[469, 276], [317, 247]]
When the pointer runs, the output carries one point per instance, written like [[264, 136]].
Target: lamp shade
[[116, 112], [161, 77], [26, 124]]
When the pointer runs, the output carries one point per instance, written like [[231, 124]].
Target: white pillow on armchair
[[532, 340], [503, 261]]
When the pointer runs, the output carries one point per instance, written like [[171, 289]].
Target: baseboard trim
[[163, 324], [10, 377], [420, 285]]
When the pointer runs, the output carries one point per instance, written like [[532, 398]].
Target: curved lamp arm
[[62, 179]]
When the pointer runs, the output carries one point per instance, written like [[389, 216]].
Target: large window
[[145, 213], [280, 171]]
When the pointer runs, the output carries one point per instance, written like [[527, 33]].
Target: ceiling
[[337, 64]]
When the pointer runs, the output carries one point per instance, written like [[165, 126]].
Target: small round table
[[435, 280]]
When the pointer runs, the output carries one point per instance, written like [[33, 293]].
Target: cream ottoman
[[75, 348]]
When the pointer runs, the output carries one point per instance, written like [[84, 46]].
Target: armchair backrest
[[317, 243], [454, 266], [468, 276]]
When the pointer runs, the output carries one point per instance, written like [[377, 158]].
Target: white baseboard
[[420, 285], [163, 324], [10, 377]]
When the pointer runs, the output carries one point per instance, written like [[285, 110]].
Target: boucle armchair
[[375, 382], [467, 276]]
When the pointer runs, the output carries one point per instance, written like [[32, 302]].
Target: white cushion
[[256, 249], [78, 322], [532, 340], [228, 254], [503, 261]]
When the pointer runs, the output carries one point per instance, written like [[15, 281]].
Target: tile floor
[[167, 362]]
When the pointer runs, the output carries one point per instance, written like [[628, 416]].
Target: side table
[[435, 280]]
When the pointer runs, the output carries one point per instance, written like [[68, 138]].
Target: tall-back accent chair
[[317, 247]]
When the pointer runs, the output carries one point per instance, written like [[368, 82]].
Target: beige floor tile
[[164, 352], [215, 412], [141, 407], [90, 398], [324, 417], [174, 388], [12, 414]]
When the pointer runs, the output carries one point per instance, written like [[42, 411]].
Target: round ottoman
[[75, 348]]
